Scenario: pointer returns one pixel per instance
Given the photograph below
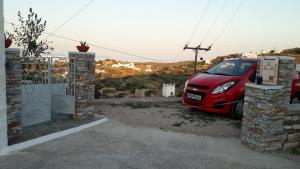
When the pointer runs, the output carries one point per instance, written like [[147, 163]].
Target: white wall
[[168, 90], [3, 120]]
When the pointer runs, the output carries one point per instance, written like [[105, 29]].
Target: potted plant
[[83, 47], [8, 39]]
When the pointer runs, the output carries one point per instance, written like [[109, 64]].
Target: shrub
[[150, 93]]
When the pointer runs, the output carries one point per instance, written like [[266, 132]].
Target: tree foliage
[[291, 51], [28, 33]]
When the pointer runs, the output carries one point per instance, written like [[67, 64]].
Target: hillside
[[119, 77], [125, 77], [106, 69]]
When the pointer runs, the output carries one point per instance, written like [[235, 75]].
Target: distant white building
[[100, 71], [148, 68], [168, 90], [249, 55], [261, 52], [65, 74], [264, 52], [207, 61], [126, 65]]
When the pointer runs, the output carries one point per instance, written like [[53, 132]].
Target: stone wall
[[265, 110], [84, 83], [291, 124], [13, 91], [3, 121]]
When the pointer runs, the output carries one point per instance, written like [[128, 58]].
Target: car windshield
[[232, 67]]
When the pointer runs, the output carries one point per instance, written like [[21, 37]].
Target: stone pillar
[[3, 119], [265, 108], [13, 91], [84, 83], [291, 125]]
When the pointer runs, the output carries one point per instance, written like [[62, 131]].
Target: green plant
[[8, 35], [28, 33], [83, 43], [150, 93]]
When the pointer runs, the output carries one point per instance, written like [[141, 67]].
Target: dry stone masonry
[[291, 124], [13, 91], [84, 83], [263, 117], [265, 110]]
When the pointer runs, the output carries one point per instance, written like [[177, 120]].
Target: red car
[[221, 89]]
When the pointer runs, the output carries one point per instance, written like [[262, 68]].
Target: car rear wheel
[[296, 100], [236, 111]]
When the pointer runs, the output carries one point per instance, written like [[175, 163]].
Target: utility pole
[[196, 50]]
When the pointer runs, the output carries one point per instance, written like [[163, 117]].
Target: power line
[[68, 20], [200, 20], [211, 26], [98, 46], [105, 48], [195, 28], [229, 21], [215, 20]]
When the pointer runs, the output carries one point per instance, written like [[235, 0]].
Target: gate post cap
[[81, 53], [12, 50]]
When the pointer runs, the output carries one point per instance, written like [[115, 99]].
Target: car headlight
[[223, 88], [186, 84]]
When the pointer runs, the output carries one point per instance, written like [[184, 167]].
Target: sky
[[158, 29]]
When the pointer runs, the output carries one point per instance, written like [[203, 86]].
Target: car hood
[[211, 80]]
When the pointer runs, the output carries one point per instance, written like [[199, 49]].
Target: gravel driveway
[[150, 136], [169, 116]]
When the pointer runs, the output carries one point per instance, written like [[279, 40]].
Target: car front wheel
[[295, 100], [236, 111]]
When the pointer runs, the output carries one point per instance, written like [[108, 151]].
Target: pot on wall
[[8, 42], [83, 48]]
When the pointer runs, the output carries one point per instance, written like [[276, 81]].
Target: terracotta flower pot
[[8, 42], [83, 48]]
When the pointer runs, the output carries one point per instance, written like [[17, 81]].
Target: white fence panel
[[36, 104], [61, 101]]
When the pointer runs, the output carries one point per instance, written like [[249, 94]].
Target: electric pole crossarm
[[196, 50]]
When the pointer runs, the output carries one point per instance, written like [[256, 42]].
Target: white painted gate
[[47, 88]]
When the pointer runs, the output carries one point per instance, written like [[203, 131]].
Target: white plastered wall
[[3, 118]]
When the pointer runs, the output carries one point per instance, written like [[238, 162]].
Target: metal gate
[[47, 88]]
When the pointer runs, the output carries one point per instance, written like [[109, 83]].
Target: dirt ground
[[171, 116]]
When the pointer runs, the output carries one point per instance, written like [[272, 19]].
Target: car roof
[[245, 59]]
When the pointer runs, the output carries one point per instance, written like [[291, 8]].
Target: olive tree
[[28, 33]]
